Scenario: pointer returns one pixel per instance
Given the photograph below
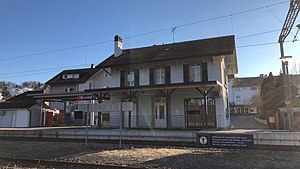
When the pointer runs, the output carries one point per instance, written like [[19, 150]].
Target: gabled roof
[[247, 81], [257, 81], [84, 75], [190, 49], [20, 101]]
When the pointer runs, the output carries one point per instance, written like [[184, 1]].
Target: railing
[[172, 121]]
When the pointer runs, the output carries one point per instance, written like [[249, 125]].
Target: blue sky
[[33, 26]]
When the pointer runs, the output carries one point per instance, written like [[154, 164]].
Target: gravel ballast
[[145, 156]]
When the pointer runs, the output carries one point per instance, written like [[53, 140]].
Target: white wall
[[60, 88], [176, 67], [245, 94], [99, 81], [115, 78], [6, 120], [176, 73], [15, 118], [144, 76]]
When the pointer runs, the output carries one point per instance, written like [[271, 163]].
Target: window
[[238, 110], [70, 76], [237, 89], [195, 73], [160, 76], [246, 110], [195, 112], [107, 73], [129, 78], [238, 98], [253, 88], [78, 115], [70, 89]]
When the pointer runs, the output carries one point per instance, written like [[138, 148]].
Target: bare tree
[[295, 69]]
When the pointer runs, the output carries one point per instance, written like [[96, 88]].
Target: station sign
[[221, 140], [91, 97]]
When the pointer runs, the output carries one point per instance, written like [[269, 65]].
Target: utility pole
[[286, 29]]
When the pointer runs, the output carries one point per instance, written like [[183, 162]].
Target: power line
[[37, 70], [29, 74], [53, 51], [257, 34], [261, 44], [240, 37], [142, 34]]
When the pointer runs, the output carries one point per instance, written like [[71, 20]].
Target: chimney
[[92, 66], [118, 46]]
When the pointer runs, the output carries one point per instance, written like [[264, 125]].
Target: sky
[[38, 39]]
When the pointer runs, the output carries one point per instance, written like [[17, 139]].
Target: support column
[[42, 113], [205, 94], [167, 93]]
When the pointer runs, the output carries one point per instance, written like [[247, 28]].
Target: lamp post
[[287, 91]]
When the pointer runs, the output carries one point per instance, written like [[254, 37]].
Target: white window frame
[[130, 78], [160, 76], [195, 73]]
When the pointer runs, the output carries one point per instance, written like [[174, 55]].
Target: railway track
[[12, 162]]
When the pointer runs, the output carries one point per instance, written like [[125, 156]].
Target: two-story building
[[65, 89], [179, 85], [244, 94]]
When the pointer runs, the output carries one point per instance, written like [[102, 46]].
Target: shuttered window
[[151, 76], [122, 78], [185, 73], [204, 72], [168, 75], [136, 77]]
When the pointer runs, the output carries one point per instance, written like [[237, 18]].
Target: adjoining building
[[244, 93], [170, 86], [21, 111], [68, 82]]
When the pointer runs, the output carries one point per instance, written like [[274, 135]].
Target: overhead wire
[[142, 34], [63, 67]]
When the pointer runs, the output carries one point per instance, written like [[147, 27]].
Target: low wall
[[282, 138], [277, 138]]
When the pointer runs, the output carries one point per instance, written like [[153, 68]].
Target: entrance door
[[160, 112]]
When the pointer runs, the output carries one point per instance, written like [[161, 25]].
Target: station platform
[[260, 136]]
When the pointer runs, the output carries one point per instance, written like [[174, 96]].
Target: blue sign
[[218, 140]]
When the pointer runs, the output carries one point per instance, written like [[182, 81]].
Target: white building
[[20, 111], [179, 85], [64, 85], [242, 94]]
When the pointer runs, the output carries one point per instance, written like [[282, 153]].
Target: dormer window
[[70, 76]]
